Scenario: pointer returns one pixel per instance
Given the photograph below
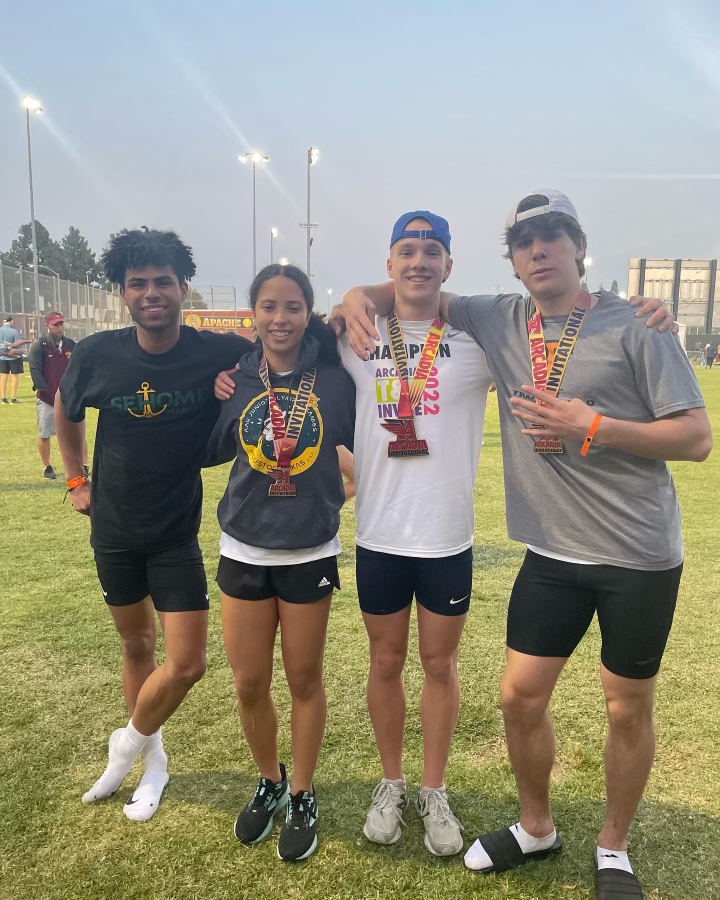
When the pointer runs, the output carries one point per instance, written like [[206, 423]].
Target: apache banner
[[221, 320]]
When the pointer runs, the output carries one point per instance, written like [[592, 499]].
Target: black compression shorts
[[386, 583], [174, 578], [553, 603]]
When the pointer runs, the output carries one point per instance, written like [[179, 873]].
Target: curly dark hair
[[548, 227], [316, 326], [146, 247]]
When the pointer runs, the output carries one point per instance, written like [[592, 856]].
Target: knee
[[251, 690], [521, 702], [305, 686], [441, 669], [387, 663], [629, 715], [188, 672], [138, 648]]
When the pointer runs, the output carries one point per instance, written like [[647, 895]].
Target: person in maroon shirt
[[48, 358]]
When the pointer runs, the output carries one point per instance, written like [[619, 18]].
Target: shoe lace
[[437, 807], [299, 811], [387, 798], [264, 795]]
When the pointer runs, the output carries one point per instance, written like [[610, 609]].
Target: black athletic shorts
[[174, 578], [553, 603], [11, 366], [302, 583], [386, 583]]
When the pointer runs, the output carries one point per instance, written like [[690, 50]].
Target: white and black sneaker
[[298, 838], [255, 822]]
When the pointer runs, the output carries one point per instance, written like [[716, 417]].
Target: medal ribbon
[[285, 439], [411, 392], [545, 377]]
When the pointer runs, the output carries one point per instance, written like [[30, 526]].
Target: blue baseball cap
[[439, 229]]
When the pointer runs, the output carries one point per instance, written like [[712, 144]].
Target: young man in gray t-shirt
[[588, 490]]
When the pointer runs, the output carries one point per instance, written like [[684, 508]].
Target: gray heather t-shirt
[[609, 507]]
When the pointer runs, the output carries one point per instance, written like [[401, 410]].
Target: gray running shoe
[[384, 819], [443, 832]]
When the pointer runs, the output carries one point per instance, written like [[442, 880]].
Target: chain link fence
[[86, 309]]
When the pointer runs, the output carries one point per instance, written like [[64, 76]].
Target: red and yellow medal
[[285, 438], [548, 377], [406, 441]]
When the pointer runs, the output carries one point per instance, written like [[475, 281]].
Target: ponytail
[[324, 334]]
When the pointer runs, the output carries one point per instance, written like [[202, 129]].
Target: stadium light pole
[[588, 263], [329, 293], [313, 155], [33, 106], [273, 235], [254, 157]]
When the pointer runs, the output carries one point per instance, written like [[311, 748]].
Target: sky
[[461, 107]]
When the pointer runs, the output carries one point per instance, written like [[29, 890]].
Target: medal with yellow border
[[406, 441], [285, 438], [548, 377]]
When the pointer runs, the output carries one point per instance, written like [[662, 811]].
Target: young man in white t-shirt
[[417, 447]]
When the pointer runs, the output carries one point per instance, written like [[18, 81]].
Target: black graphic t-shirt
[[156, 414]]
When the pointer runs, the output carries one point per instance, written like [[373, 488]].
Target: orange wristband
[[72, 483], [585, 449]]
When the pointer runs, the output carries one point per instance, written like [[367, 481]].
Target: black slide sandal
[[504, 851], [616, 884]]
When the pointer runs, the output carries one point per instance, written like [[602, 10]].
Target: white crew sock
[[477, 858], [613, 859], [124, 747], [145, 800]]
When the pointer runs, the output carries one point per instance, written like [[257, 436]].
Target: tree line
[[71, 257]]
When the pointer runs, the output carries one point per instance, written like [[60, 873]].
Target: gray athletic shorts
[[45, 419]]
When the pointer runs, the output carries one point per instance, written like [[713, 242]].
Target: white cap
[[555, 202]]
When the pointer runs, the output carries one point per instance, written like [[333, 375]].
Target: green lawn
[[61, 698]]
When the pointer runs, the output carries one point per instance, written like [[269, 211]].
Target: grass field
[[60, 698]]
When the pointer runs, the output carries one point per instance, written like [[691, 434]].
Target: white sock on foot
[[613, 859], [145, 800], [477, 858], [153, 754], [530, 844], [124, 747]]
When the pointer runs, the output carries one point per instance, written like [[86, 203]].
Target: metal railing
[[86, 309]]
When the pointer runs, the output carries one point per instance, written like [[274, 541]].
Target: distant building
[[689, 286]]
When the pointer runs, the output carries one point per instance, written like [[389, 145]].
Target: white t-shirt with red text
[[419, 506]]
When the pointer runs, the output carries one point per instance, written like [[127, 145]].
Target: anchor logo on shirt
[[147, 413]]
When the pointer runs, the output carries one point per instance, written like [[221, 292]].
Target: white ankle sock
[[477, 858], [613, 859], [124, 747], [398, 782], [530, 844], [153, 754]]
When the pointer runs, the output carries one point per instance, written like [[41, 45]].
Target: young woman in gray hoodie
[[293, 405]]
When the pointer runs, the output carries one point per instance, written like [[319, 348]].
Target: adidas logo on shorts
[[324, 582]]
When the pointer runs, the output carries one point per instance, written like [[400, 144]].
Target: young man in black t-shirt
[[152, 384]]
